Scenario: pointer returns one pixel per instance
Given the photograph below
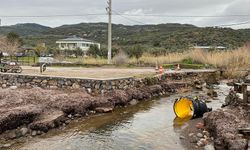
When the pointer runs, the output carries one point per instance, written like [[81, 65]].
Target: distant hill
[[167, 36], [26, 29]]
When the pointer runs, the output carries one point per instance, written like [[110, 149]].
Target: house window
[[63, 45]]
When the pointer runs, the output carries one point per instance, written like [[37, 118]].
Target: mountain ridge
[[169, 36]]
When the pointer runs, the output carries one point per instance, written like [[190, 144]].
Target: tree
[[10, 47], [136, 51], [94, 51], [79, 52], [40, 49], [14, 37]]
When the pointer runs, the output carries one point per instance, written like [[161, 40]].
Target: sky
[[129, 12]]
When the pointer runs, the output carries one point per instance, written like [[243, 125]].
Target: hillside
[[27, 29], [167, 36]]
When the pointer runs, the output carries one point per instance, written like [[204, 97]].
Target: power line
[[136, 21], [235, 24], [223, 25], [186, 16], [116, 13], [52, 16]]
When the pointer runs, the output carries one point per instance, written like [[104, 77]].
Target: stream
[[145, 126]]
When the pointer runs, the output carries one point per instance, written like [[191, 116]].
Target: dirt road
[[90, 72]]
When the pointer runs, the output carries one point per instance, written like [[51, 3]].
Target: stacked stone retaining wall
[[22, 80]]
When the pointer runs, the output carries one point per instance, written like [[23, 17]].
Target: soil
[[223, 124], [41, 109]]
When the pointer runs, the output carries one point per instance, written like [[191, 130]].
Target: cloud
[[129, 7]]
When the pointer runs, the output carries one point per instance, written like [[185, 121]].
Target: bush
[[136, 51], [187, 60], [120, 58], [94, 51]]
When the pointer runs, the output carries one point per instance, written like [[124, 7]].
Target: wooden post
[[246, 93]]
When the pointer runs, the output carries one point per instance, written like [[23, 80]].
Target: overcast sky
[[134, 10]]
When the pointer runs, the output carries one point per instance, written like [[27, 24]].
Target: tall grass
[[235, 58], [232, 61]]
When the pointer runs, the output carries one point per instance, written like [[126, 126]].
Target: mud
[[223, 124], [40, 110]]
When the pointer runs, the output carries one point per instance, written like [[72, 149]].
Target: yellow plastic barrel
[[186, 107], [183, 108]]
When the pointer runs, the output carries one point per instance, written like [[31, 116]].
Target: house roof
[[209, 47], [74, 38]]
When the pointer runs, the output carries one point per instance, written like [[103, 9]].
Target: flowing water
[[145, 126]]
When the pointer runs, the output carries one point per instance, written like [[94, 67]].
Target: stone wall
[[21, 80]]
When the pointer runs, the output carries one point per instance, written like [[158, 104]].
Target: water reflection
[[179, 122]]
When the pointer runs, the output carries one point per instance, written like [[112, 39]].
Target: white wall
[[71, 45]]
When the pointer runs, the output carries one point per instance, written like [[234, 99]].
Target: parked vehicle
[[10, 66]]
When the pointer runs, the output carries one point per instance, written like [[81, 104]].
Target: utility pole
[[109, 9]]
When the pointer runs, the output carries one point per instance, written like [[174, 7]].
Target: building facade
[[74, 43]]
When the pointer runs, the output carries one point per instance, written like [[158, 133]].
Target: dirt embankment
[[224, 125], [37, 110]]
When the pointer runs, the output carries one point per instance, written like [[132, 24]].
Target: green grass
[[185, 66], [30, 60]]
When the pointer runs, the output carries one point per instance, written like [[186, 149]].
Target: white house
[[73, 43], [210, 47]]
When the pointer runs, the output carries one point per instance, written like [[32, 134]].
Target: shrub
[[187, 60], [120, 58], [136, 51]]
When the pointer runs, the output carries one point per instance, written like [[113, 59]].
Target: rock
[[208, 101], [52, 83], [70, 116], [13, 87], [206, 133], [77, 115], [24, 131], [204, 141], [75, 86], [182, 137], [4, 85], [92, 112], [197, 82], [18, 134], [67, 121], [198, 87], [12, 135], [191, 134], [103, 109], [194, 139], [199, 126], [34, 133], [199, 135], [89, 90], [7, 145], [212, 93], [39, 132], [44, 82], [200, 144], [209, 147], [133, 102]]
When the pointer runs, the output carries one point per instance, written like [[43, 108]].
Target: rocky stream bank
[[34, 111]]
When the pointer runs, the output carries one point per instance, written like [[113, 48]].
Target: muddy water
[[147, 125]]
